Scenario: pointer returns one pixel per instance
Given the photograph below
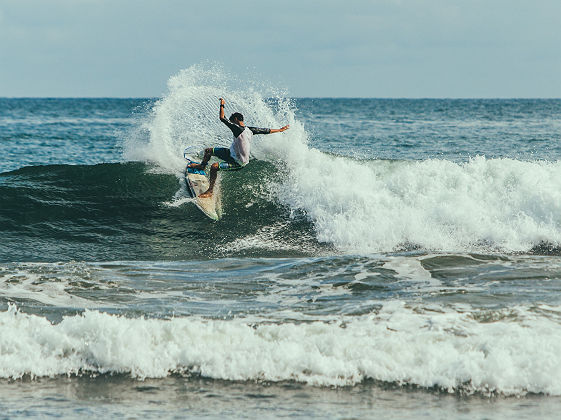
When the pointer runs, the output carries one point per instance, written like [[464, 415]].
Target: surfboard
[[197, 183]]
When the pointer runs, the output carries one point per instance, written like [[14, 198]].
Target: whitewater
[[395, 345]]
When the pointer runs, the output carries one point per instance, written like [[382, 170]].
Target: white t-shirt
[[241, 147]]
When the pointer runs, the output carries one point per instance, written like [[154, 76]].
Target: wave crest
[[513, 355]]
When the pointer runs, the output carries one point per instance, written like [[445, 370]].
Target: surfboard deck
[[197, 183]]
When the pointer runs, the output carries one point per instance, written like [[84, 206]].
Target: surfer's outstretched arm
[[279, 130], [257, 130]]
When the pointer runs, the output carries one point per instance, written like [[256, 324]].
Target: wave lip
[[515, 354]]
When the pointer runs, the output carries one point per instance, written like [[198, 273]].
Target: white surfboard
[[197, 183]]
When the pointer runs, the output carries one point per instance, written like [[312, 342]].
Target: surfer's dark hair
[[236, 116]]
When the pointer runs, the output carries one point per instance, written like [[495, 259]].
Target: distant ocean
[[383, 258]]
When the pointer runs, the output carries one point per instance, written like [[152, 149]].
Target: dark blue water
[[381, 258]]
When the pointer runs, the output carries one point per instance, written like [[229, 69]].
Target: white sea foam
[[412, 269], [440, 205], [177, 202], [263, 239], [513, 355], [45, 283]]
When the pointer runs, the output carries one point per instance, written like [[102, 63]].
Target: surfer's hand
[[279, 130], [222, 101]]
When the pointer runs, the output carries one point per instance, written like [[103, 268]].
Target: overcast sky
[[327, 48]]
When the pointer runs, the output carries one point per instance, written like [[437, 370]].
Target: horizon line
[[312, 97]]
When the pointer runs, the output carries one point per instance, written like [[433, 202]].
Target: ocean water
[[382, 258]]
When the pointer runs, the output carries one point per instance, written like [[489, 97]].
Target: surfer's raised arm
[[235, 123], [222, 102]]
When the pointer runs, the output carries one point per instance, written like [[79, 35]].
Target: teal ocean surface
[[382, 258]]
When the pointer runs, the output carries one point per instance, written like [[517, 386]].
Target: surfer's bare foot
[[206, 194]]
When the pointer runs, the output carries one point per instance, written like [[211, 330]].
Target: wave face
[[128, 211]]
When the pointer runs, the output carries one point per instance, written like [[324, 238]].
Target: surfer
[[237, 156]]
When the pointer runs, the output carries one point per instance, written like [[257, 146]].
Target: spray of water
[[187, 116]]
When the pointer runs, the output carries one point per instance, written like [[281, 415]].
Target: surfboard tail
[[197, 184]]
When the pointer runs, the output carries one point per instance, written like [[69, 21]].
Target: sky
[[309, 48]]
